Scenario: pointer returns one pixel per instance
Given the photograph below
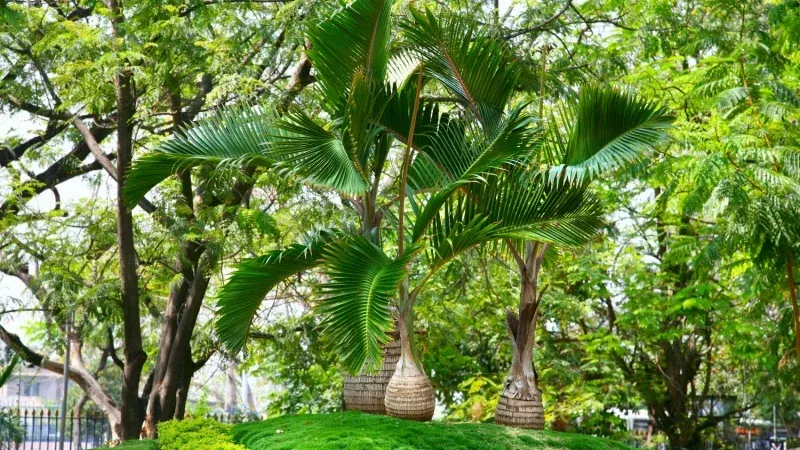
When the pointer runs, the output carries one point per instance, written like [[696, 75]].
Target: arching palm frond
[[463, 158], [355, 39], [305, 148], [239, 299], [357, 316], [230, 137], [606, 128], [395, 108], [475, 64], [510, 205]]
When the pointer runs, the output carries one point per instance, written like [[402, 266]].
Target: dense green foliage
[[194, 434], [266, 131], [357, 431]]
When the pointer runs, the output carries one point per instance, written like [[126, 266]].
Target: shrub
[[195, 434], [11, 433]]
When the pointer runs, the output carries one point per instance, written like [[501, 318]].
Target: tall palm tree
[[456, 174], [350, 57], [601, 129]]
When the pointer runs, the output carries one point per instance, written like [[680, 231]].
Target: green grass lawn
[[357, 431], [138, 445]]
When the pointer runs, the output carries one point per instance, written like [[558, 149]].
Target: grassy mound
[[195, 434], [138, 445], [357, 431]]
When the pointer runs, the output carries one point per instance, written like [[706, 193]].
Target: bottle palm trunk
[[366, 392], [409, 394], [520, 404]]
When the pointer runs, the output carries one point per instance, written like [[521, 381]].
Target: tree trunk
[[232, 388], [77, 373], [76, 421], [132, 407], [367, 392], [520, 404], [795, 307], [409, 394], [181, 347], [132, 410], [182, 395]]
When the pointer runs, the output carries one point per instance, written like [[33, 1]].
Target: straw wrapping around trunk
[[365, 392], [410, 397], [520, 413]]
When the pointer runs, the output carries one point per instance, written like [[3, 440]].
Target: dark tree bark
[[134, 355]]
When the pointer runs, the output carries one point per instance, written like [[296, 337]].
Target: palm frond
[[240, 297], [230, 137], [607, 128], [355, 39], [394, 110], [511, 205], [305, 148], [356, 307], [8, 370], [463, 158], [475, 64]]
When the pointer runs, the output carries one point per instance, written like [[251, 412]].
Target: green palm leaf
[[463, 159], [510, 205], [305, 148], [240, 298], [8, 370], [606, 128], [363, 281], [355, 39], [395, 108], [230, 137], [475, 64]]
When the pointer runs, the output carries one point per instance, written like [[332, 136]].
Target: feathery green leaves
[[363, 281], [355, 39], [606, 128], [240, 298], [230, 137]]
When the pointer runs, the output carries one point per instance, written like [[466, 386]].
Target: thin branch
[[540, 25], [206, 3]]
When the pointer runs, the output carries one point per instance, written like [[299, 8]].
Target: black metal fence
[[41, 430]]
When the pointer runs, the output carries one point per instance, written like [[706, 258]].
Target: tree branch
[[205, 3], [540, 25]]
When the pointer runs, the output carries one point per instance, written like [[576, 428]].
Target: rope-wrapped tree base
[[366, 392], [410, 397], [520, 413]]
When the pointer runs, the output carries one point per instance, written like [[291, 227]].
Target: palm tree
[[252, 137], [456, 174], [602, 129]]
